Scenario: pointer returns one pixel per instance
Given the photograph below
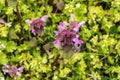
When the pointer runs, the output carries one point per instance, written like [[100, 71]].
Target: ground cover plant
[[59, 39]]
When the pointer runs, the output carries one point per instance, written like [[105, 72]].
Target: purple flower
[[56, 33], [65, 39], [37, 25], [12, 70], [77, 41], [44, 18], [73, 24], [61, 26], [6, 66], [56, 42], [5, 71], [68, 38], [3, 22]]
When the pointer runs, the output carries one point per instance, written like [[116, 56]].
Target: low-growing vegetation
[[59, 39]]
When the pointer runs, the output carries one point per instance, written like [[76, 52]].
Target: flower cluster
[[68, 38], [12, 70], [37, 25]]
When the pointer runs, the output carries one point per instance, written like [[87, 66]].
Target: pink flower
[[68, 38], [12, 70], [37, 25], [44, 18], [56, 42], [77, 41], [61, 26], [56, 33]]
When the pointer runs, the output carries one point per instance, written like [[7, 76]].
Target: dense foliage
[[26, 55]]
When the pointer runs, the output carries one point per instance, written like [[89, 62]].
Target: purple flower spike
[[68, 38], [12, 70], [44, 18], [37, 25]]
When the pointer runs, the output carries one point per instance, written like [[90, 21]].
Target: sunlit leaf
[[12, 3], [12, 34], [11, 46], [33, 42], [1, 76], [3, 58], [59, 4]]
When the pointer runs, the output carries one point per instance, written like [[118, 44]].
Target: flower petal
[[20, 69], [78, 26], [18, 74], [61, 26], [77, 41], [56, 42], [81, 23], [28, 21], [56, 33], [44, 18], [5, 71], [2, 21], [6, 66], [66, 23]]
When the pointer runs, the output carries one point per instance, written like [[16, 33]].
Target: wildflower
[[12, 70], [37, 25], [68, 38]]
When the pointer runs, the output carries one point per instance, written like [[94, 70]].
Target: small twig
[[18, 14], [56, 60]]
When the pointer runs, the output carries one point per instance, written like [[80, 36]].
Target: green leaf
[[1, 76], [11, 46], [3, 59], [12, 34], [12, 3], [33, 42]]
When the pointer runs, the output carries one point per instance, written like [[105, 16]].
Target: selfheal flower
[[12, 70], [37, 25], [68, 38]]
